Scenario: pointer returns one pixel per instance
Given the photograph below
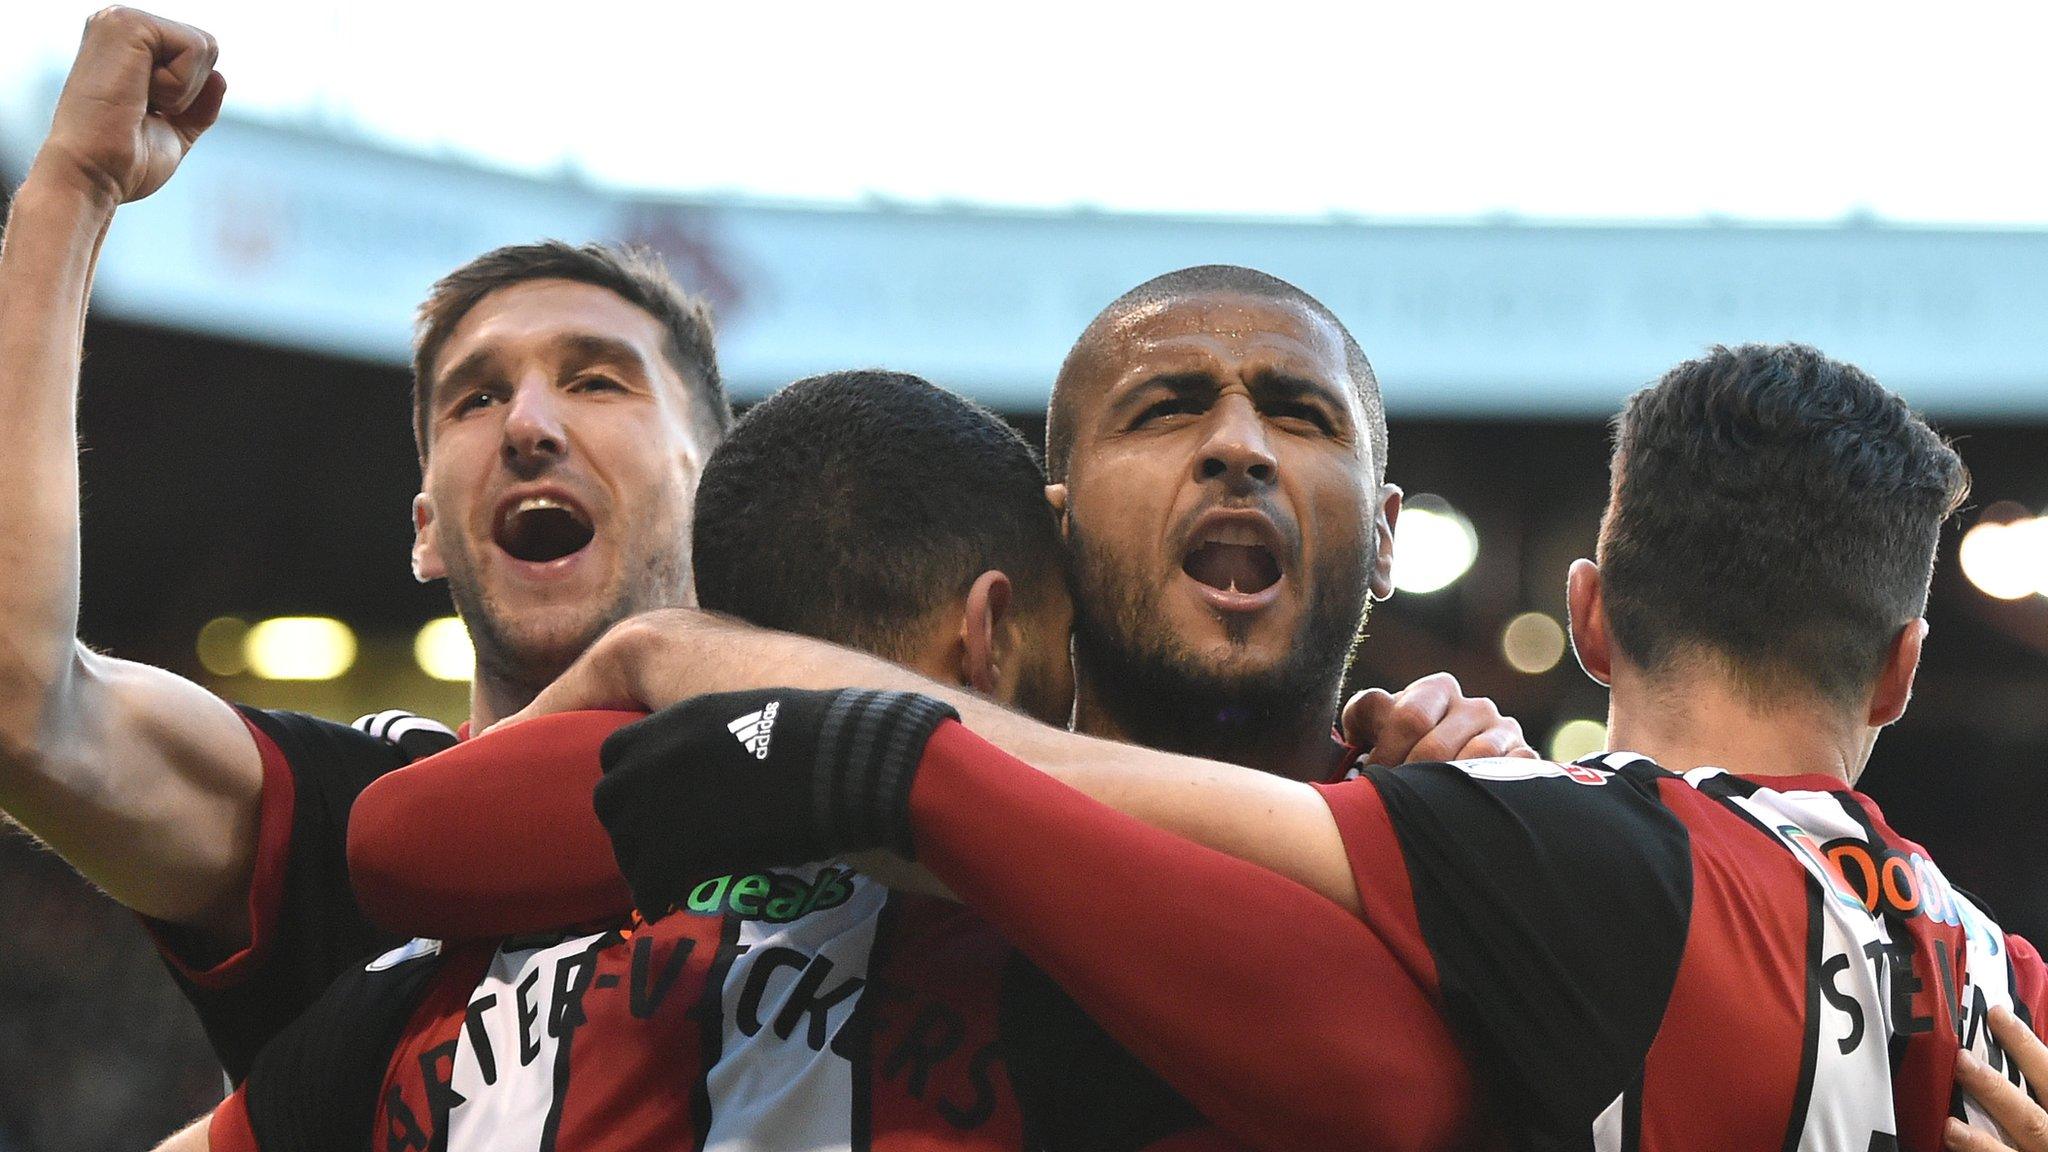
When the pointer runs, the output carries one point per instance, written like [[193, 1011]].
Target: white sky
[[1574, 108]]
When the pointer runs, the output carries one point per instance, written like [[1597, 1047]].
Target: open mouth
[[1231, 566], [542, 528]]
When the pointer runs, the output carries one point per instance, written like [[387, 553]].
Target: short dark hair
[[1207, 280], [850, 506], [636, 274], [1778, 511]]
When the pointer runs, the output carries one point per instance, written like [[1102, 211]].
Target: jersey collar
[[1804, 782]]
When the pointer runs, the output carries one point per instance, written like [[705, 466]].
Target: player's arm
[[1288, 1022], [658, 659], [528, 854], [1283, 1018], [146, 783], [192, 1138]]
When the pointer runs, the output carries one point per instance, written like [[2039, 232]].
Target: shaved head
[[1216, 447], [1099, 338]]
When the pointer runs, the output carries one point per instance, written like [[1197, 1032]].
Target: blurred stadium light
[[299, 648], [2007, 560], [220, 646], [1577, 739], [1434, 544], [443, 650], [1533, 643]]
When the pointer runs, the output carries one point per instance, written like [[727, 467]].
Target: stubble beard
[[528, 656], [1163, 693]]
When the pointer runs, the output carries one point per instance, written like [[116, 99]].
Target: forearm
[[46, 260], [1278, 1014], [1279, 824], [494, 837]]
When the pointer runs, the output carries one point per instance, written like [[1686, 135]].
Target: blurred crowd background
[[1518, 238]]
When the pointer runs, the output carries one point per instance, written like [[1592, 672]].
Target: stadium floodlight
[[2007, 561], [444, 651], [1577, 739], [1532, 643], [300, 648], [1434, 544], [220, 646]]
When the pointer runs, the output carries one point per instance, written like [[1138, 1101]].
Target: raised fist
[[141, 91]]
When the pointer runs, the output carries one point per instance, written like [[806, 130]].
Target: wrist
[[871, 749], [55, 185]]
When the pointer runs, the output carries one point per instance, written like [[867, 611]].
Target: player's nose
[[1236, 449], [534, 431]]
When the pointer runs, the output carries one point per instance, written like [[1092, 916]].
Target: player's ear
[[1381, 579], [426, 545], [1895, 682], [1587, 605], [1056, 495], [986, 640]]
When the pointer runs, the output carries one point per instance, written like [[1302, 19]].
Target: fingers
[[592, 682], [183, 59], [1468, 723], [1501, 737], [1362, 716], [1406, 727], [141, 92], [1960, 1137], [1393, 725], [2026, 1049], [203, 111], [1431, 719], [2023, 1120], [176, 57]]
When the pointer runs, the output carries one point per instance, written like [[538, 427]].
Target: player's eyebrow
[[1195, 383], [1274, 384], [470, 370], [578, 350], [583, 349]]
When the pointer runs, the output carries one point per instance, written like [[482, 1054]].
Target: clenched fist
[[141, 91]]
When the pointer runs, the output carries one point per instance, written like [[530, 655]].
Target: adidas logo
[[752, 729]]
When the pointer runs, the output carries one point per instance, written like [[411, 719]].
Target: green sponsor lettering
[[747, 892], [787, 903], [832, 890], [777, 897], [710, 895]]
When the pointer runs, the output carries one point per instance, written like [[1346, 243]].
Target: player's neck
[[492, 698], [1693, 721]]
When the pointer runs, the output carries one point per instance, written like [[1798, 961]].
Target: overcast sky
[[1573, 109]]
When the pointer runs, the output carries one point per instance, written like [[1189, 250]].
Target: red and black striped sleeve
[[1548, 906], [305, 925]]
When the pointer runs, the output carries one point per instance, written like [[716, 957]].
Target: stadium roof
[[302, 239]]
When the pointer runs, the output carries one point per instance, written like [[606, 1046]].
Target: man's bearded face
[[1222, 511]]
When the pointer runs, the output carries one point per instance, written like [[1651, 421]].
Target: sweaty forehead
[[1217, 331]]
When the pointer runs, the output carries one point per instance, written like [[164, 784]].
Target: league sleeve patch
[[1504, 768], [410, 950], [416, 736]]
